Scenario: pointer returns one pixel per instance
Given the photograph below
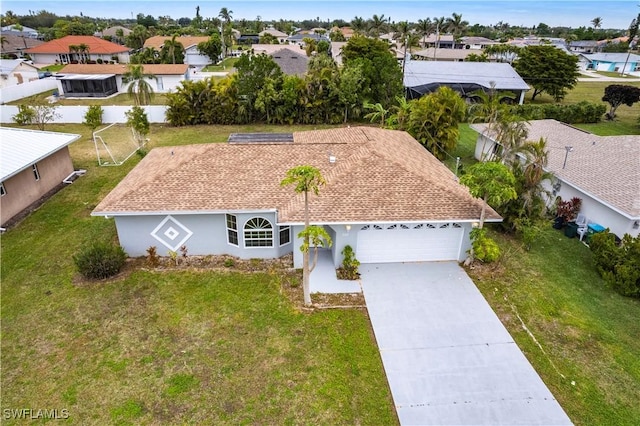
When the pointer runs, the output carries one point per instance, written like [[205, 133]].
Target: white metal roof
[[20, 148], [86, 76]]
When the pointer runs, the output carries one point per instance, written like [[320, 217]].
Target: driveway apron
[[447, 357]]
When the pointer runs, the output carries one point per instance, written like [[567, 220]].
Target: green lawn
[[122, 99], [590, 356], [626, 121], [226, 65], [171, 347]]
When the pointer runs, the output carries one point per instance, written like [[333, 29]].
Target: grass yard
[[170, 347], [123, 99], [626, 122], [226, 65], [588, 333]]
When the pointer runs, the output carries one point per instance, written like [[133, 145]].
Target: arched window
[[258, 232]]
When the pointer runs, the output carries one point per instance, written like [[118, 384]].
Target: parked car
[[44, 74]]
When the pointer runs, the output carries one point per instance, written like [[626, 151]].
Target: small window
[[232, 230], [3, 191], [36, 173], [258, 232], [285, 235]]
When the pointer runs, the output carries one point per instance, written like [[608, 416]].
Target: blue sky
[[572, 13]]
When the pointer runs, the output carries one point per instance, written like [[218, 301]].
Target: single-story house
[[477, 43], [603, 171], [385, 196], [101, 80], [454, 55], [65, 50], [282, 37], [33, 164], [584, 46], [613, 62], [347, 32], [299, 38], [192, 55], [21, 31], [16, 71], [291, 62], [439, 41], [422, 77], [270, 49], [112, 33], [14, 45]]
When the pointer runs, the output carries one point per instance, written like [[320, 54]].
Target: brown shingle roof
[[607, 167], [157, 42], [96, 45], [155, 69], [379, 175]]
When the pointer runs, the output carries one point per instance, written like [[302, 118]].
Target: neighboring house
[[336, 51], [94, 80], [192, 55], [291, 62], [16, 71], [270, 49], [15, 45], [614, 62], [452, 55], [33, 164], [248, 39], [584, 46], [282, 37], [603, 171], [385, 195], [422, 77], [440, 41], [21, 31], [477, 43], [347, 32], [64, 50], [299, 38], [112, 34]]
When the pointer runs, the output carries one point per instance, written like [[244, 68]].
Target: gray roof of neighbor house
[[21, 148], [446, 54], [418, 73], [15, 43], [606, 167], [612, 57], [8, 65], [378, 175], [291, 62]]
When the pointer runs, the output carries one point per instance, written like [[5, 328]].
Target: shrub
[[100, 260], [153, 260], [25, 115], [619, 265], [99, 60], [484, 248], [93, 117], [349, 268], [581, 112]]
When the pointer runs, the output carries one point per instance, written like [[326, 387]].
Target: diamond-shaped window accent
[[171, 233]]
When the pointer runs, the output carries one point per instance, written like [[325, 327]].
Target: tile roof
[[20, 148], [119, 69], [378, 175], [96, 45], [607, 167], [442, 54], [158, 41]]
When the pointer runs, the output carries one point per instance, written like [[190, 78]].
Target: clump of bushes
[[618, 264], [100, 260], [484, 248], [349, 268], [581, 112]]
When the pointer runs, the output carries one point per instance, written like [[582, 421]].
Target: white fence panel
[[13, 93], [75, 114]]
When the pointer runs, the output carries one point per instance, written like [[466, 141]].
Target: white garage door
[[409, 242]]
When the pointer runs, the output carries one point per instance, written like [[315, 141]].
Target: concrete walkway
[[447, 357], [323, 279]]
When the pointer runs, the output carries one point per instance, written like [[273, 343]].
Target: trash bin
[[593, 228], [571, 230]]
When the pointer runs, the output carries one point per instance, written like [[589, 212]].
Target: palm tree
[[439, 23], [456, 25], [305, 179], [83, 50], [171, 48], [596, 22], [139, 89], [226, 15], [377, 25], [358, 24], [425, 28], [407, 38]]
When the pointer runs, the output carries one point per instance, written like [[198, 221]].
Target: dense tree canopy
[[619, 94], [548, 69]]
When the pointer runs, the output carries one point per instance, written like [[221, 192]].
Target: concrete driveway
[[447, 357]]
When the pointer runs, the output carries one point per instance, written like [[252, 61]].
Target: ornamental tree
[[548, 69], [618, 94]]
